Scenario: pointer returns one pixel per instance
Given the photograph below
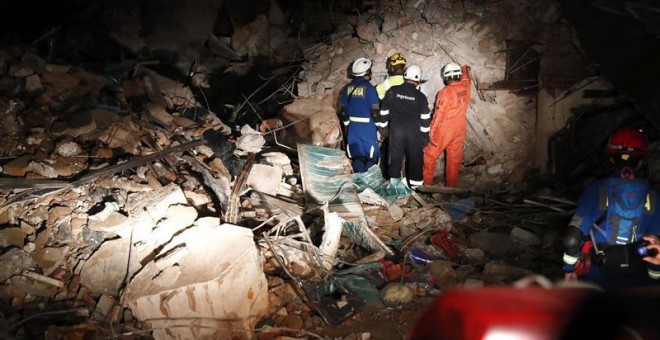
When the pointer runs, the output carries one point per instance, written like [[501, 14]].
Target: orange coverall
[[448, 129]]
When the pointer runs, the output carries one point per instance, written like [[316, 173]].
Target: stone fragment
[[197, 199], [115, 223], [68, 149], [17, 167], [48, 257], [12, 237], [105, 270], [13, 262], [33, 83], [524, 239], [493, 244], [34, 288], [104, 307], [42, 169], [496, 272], [159, 114], [60, 81], [444, 274], [69, 166]]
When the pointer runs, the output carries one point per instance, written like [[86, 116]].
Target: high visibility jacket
[[358, 99], [407, 109], [387, 84], [616, 211], [448, 129]]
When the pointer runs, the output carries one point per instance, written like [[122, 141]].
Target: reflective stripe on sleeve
[[424, 129], [654, 274], [359, 119], [570, 260], [426, 116], [384, 112], [416, 183]]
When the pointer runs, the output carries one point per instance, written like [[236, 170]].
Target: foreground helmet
[[396, 59], [627, 140], [361, 66], [413, 72], [451, 70]]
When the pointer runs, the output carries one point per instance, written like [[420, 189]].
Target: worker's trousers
[[406, 144]]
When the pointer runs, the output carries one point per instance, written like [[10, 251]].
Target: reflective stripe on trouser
[[453, 159], [406, 144], [359, 119]]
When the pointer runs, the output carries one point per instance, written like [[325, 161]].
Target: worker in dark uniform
[[359, 106], [396, 66], [404, 112]]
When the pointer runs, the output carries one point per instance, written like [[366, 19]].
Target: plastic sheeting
[[326, 179], [373, 178]]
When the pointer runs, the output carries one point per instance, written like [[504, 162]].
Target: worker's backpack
[[626, 202]]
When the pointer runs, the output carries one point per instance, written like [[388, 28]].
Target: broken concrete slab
[[221, 263]]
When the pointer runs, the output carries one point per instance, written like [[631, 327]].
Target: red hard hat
[[627, 140]]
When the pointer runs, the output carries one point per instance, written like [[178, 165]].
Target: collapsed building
[[152, 196]]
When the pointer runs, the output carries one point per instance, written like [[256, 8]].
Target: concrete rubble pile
[[141, 212]]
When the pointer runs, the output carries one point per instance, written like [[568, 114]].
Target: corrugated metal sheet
[[327, 177]]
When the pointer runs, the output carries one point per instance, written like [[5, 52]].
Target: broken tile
[[48, 257]]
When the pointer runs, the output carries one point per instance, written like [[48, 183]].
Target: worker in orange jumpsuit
[[448, 124]]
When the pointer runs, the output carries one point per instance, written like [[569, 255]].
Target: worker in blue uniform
[[359, 105], [611, 219]]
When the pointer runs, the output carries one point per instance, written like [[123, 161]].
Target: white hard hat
[[451, 69], [361, 66], [413, 72]]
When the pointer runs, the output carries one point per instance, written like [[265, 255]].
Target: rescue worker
[[448, 124], [612, 216], [396, 66], [405, 111], [358, 107]]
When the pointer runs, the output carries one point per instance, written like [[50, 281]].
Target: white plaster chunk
[[249, 141], [265, 178], [216, 289]]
